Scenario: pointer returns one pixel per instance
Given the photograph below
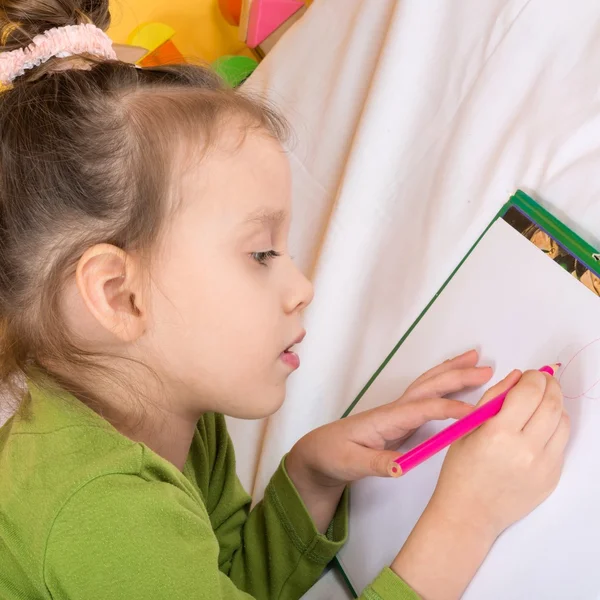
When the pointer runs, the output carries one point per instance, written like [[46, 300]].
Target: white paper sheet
[[522, 310]]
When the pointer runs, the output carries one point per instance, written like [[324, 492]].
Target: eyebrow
[[266, 217]]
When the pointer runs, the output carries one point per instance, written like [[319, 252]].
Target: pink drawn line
[[564, 370]]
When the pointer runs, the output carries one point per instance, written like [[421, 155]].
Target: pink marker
[[454, 432]]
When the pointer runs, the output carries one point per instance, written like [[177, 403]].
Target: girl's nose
[[299, 293]]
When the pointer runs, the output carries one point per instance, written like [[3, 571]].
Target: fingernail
[[551, 369]]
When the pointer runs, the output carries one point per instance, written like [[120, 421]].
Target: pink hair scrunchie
[[59, 42]]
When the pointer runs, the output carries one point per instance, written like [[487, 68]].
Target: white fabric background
[[415, 121]]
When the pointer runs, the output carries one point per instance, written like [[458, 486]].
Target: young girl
[[145, 291]]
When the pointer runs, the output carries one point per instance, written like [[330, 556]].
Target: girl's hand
[[490, 479], [325, 460], [513, 462]]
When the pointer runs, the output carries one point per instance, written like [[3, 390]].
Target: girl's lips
[[291, 359]]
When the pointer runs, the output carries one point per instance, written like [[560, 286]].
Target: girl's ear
[[110, 284]]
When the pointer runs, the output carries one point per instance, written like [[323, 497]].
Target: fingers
[[464, 361], [522, 401], [365, 462], [449, 381], [545, 420], [502, 386], [416, 413], [558, 442]]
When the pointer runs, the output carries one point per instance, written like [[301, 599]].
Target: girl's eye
[[264, 257]]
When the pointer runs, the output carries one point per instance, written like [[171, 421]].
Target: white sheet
[[415, 121]]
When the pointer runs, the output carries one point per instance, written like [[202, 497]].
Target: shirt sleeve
[[388, 586], [275, 550]]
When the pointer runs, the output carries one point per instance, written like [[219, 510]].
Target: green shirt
[[88, 514]]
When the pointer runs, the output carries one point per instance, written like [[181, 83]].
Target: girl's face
[[226, 300]]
